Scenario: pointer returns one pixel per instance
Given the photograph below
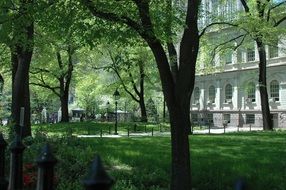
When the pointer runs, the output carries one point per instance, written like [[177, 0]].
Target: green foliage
[[152, 110], [5, 95], [239, 30]]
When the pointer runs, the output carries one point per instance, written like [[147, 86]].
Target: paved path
[[167, 134], [228, 130], [161, 134]]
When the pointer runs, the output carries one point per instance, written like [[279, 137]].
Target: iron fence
[[97, 179]]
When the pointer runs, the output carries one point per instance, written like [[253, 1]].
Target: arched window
[[196, 95], [250, 92], [274, 90], [228, 93], [212, 94]]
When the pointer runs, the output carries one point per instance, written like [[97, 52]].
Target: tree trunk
[[143, 110], [141, 93], [180, 123], [64, 108], [181, 169], [20, 91], [267, 122], [177, 91], [21, 55]]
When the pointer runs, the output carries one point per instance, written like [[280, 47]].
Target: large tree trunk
[[180, 123], [64, 108], [177, 91], [267, 122], [21, 55], [65, 80], [20, 91], [141, 94], [143, 110], [181, 170]]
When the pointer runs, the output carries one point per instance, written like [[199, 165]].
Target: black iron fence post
[[100, 132], [16, 164], [98, 178], [46, 162], [3, 180], [128, 132], [209, 128]]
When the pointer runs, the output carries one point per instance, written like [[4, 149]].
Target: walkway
[[167, 134]]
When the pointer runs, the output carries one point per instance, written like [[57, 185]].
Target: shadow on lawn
[[217, 160]]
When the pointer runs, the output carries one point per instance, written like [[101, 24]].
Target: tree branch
[[226, 42], [111, 16], [245, 6], [47, 87], [41, 70], [115, 69], [280, 21], [277, 5], [133, 83], [215, 23], [70, 68]]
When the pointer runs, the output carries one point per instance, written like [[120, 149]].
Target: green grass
[[144, 163], [93, 128]]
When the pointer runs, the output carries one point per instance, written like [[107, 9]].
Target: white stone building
[[231, 94]]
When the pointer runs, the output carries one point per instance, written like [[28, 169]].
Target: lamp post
[[116, 98]]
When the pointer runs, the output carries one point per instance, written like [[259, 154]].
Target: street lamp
[[116, 98], [107, 106]]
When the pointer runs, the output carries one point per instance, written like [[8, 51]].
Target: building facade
[[231, 94]]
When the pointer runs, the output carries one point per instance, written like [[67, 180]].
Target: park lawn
[[94, 128], [144, 162]]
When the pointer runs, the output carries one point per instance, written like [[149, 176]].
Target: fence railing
[[209, 129], [98, 179]]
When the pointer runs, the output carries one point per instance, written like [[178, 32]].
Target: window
[[250, 118], [250, 54], [228, 57], [214, 6], [273, 50], [226, 118], [228, 93], [250, 92], [211, 94], [274, 90], [196, 95]]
